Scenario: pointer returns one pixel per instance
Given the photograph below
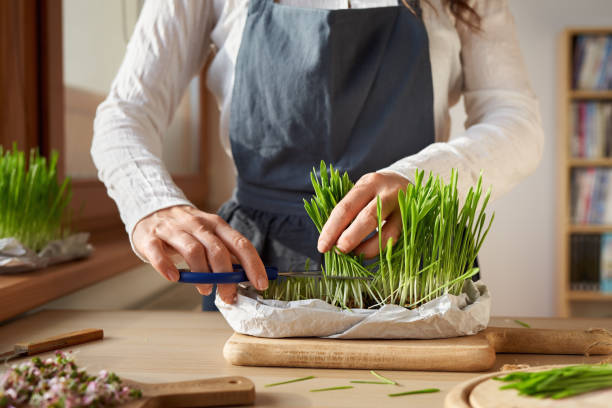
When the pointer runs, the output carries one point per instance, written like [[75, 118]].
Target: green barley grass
[[560, 383], [383, 378], [522, 323], [342, 387], [424, 391], [310, 377], [434, 254], [33, 202]]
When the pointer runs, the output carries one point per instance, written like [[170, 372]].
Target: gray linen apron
[[352, 87]]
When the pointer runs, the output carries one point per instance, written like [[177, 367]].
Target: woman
[[365, 85]]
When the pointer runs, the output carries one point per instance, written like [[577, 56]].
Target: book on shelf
[[585, 262], [591, 124], [592, 62], [591, 196], [605, 275], [591, 262]]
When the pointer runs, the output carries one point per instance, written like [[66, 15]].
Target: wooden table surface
[[156, 346]]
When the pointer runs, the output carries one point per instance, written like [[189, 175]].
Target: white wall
[[519, 259], [95, 35]]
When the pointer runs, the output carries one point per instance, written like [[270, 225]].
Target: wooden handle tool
[[212, 392], [53, 343]]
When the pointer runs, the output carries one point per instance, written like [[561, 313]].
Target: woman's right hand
[[205, 241]]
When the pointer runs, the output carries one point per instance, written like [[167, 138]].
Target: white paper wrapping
[[445, 316], [16, 257]]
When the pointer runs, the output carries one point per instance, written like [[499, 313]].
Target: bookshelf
[[569, 299]]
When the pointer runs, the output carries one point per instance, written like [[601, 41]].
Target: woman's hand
[[354, 218], [205, 241]]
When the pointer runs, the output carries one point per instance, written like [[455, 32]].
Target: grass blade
[[310, 377], [342, 387], [522, 323], [423, 391], [385, 379]]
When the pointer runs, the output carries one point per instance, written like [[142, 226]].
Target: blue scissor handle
[[239, 275]]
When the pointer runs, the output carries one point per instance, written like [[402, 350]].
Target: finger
[[204, 289], [343, 213], [154, 251], [363, 225], [218, 258], [390, 229], [191, 250], [246, 253]]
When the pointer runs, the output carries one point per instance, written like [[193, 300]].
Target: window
[[60, 58]]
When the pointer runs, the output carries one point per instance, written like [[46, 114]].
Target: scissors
[[239, 275]]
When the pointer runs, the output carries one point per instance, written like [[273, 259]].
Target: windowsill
[[112, 255]]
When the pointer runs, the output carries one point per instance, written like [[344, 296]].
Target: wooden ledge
[[112, 255]]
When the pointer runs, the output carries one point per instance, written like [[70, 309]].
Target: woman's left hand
[[354, 218]]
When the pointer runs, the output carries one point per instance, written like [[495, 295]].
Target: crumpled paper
[[443, 317], [16, 257]]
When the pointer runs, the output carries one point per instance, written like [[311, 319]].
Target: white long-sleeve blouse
[[173, 38]]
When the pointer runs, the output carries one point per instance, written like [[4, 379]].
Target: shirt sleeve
[[503, 136], [167, 49]]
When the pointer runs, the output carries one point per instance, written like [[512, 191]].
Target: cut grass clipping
[[424, 391], [560, 383], [310, 377], [34, 203], [383, 380], [519, 322], [434, 254], [342, 387]]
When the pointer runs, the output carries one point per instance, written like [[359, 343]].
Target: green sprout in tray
[[34, 203], [434, 254]]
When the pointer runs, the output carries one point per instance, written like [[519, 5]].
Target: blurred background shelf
[[589, 229], [580, 94], [580, 245], [589, 296], [580, 162]]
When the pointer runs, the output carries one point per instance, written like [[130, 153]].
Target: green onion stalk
[[33, 203], [433, 255]]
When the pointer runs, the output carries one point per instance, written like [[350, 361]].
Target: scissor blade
[[319, 274]]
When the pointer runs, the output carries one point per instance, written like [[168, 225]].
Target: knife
[[239, 275], [52, 343]]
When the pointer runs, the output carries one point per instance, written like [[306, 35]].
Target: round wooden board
[[484, 392]]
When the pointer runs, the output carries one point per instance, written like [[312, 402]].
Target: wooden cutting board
[[469, 353], [211, 392], [484, 392]]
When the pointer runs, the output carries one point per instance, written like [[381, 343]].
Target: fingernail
[[262, 284]]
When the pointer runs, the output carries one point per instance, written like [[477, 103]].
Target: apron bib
[[352, 87]]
